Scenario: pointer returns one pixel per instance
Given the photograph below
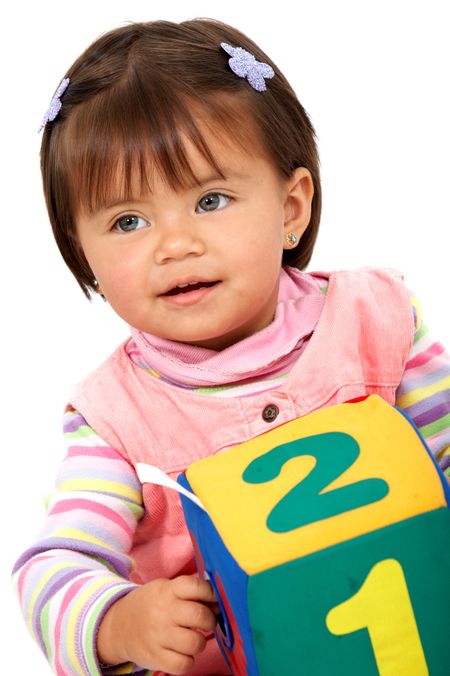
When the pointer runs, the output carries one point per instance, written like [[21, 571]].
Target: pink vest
[[359, 347]]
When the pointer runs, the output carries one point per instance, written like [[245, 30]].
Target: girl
[[182, 183]]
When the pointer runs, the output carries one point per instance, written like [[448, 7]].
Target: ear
[[297, 208]]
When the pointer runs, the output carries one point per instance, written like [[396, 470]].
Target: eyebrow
[[214, 176]]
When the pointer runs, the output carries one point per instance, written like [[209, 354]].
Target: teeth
[[179, 288]]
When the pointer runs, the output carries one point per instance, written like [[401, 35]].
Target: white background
[[374, 77]]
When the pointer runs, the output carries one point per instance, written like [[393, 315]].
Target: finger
[[192, 614], [194, 588], [186, 641], [214, 607], [172, 662]]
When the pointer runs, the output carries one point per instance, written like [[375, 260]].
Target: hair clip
[[55, 104], [244, 64]]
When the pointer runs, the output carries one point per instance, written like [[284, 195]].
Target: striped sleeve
[[79, 564], [424, 392]]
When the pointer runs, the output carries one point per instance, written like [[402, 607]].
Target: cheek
[[266, 247], [261, 233], [118, 277]]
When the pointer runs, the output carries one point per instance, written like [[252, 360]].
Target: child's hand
[[157, 625]]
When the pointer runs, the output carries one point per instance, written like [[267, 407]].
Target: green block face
[[377, 605]]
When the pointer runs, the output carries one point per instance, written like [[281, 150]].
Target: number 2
[[307, 502]]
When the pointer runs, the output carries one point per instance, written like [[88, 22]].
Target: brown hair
[[133, 93]]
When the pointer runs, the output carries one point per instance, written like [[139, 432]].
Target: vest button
[[270, 412]]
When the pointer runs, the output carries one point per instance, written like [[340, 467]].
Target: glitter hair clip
[[244, 64], [55, 104]]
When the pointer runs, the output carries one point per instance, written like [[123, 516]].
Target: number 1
[[382, 606]]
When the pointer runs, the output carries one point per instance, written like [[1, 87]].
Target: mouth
[[186, 293], [189, 287]]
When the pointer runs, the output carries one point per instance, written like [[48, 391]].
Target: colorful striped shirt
[[79, 565]]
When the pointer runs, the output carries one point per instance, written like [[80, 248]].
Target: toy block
[[326, 540]]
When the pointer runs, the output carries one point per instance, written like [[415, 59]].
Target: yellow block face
[[390, 452]]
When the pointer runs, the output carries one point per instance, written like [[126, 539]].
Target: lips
[[188, 292], [188, 287]]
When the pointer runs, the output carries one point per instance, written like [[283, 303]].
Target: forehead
[[222, 156]]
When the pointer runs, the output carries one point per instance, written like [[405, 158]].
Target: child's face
[[224, 239]]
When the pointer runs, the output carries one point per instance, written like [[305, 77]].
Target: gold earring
[[97, 289], [291, 239]]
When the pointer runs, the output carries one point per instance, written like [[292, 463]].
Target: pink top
[[359, 347]]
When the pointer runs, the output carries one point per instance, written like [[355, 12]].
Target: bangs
[[117, 141]]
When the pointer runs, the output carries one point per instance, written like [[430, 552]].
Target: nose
[[177, 241]]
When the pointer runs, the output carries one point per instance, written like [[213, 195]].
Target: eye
[[130, 223], [212, 202]]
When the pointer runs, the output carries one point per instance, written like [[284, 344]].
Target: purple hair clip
[[245, 65], [55, 104]]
